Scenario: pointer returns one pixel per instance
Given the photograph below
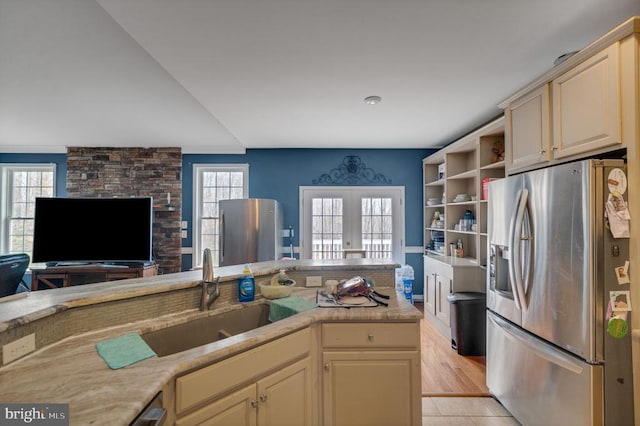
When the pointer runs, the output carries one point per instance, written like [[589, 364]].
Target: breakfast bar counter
[[69, 322]]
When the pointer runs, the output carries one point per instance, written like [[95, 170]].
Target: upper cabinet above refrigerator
[[581, 107]]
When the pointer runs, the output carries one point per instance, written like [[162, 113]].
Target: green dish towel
[[283, 308], [124, 350]]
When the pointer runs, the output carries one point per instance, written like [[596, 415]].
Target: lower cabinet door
[[443, 288], [238, 408], [285, 397], [430, 293], [371, 388], [280, 399]]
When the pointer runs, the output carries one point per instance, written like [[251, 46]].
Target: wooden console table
[[65, 276]]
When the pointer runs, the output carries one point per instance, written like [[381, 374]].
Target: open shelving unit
[[466, 164], [458, 168]]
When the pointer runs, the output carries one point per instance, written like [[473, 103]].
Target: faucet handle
[[207, 266]]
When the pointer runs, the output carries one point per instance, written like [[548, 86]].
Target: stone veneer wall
[[127, 172]]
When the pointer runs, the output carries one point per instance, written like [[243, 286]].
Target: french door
[[368, 218]]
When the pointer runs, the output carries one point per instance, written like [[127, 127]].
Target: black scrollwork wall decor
[[352, 171]]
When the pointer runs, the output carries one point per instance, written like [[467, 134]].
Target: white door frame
[[395, 192]]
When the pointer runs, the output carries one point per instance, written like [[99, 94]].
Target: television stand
[[70, 275]]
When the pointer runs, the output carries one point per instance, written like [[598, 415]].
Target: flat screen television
[[93, 230]]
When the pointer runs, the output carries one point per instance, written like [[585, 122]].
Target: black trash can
[[468, 323]]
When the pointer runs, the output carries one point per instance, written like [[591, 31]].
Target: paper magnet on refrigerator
[[617, 211], [622, 273], [620, 300]]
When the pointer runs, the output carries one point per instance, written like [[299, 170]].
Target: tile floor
[[465, 411]]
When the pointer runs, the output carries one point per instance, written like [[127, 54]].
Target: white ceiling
[[223, 76]]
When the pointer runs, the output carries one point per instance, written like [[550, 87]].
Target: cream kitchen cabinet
[[444, 286], [282, 398], [438, 279], [580, 108], [371, 373], [586, 105], [429, 292], [528, 130], [267, 386]]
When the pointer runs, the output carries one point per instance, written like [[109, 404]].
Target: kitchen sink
[[210, 329]]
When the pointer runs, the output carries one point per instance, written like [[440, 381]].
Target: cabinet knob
[[254, 403], [263, 398], [370, 337], [326, 367], [553, 148]]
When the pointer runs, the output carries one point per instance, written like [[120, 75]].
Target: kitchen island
[[68, 323]]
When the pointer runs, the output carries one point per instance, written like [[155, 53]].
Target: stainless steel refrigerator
[[250, 231], [552, 358]]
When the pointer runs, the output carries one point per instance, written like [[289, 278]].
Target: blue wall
[[277, 174]]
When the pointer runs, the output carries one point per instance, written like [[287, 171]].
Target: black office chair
[[12, 268]]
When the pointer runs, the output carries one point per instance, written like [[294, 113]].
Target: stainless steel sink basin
[[210, 329]]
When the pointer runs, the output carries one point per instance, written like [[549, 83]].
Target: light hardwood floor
[[444, 372]]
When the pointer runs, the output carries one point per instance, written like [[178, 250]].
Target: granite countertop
[[40, 304], [71, 371]]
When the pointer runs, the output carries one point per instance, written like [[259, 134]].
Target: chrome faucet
[[208, 295]]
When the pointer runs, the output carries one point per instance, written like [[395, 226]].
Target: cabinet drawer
[[371, 335], [208, 382]]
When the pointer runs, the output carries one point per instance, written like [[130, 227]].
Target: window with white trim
[[21, 184], [335, 219], [212, 184]]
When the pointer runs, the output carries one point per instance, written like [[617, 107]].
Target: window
[[377, 220], [214, 183], [337, 218], [326, 228], [21, 184]]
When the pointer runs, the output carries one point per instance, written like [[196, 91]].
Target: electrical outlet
[[314, 281], [18, 348]]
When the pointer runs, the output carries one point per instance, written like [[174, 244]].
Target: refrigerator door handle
[[221, 237], [544, 351], [512, 254], [516, 247]]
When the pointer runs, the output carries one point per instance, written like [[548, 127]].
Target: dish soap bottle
[[246, 285]]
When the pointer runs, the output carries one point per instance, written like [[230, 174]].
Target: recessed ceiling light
[[372, 100]]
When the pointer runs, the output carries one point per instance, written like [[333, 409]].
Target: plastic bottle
[[246, 285], [402, 273], [408, 289], [404, 281]]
